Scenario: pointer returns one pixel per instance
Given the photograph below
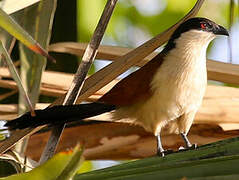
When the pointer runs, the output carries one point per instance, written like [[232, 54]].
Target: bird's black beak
[[220, 30]]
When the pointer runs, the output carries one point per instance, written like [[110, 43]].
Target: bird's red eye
[[203, 26]]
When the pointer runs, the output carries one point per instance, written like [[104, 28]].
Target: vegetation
[[131, 24]]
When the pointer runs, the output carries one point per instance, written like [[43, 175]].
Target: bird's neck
[[187, 59], [190, 47]]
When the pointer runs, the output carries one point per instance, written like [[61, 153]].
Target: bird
[[164, 93]]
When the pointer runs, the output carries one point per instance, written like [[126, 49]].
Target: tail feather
[[59, 114]]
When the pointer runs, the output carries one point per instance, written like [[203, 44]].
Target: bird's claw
[[192, 147], [165, 152]]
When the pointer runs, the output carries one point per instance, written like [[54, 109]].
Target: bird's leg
[[184, 123], [160, 151], [188, 145]]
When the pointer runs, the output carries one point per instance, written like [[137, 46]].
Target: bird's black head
[[200, 24]]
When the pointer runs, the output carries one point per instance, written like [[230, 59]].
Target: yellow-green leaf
[[7, 23], [62, 165]]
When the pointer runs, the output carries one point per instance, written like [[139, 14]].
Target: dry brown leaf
[[218, 71], [104, 52]]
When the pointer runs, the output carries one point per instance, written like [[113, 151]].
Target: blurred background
[[134, 22]]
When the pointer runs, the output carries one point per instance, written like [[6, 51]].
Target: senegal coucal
[[166, 92]]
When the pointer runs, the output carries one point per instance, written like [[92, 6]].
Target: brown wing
[[135, 87]]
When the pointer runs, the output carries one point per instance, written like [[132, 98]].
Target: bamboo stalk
[[79, 77]]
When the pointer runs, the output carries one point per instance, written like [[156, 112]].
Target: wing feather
[[135, 87]]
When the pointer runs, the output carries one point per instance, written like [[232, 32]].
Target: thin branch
[[13, 42], [16, 77], [79, 77]]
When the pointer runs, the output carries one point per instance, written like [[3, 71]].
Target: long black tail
[[59, 114]]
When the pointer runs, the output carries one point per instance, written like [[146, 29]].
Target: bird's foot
[[164, 153], [191, 147]]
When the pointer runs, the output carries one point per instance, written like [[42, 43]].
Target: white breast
[[178, 86]]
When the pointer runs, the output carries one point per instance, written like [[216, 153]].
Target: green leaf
[[206, 168], [15, 75], [37, 20], [7, 23], [86, 166], [61, 166], [214, 159], [72, 167], [226, 177]]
